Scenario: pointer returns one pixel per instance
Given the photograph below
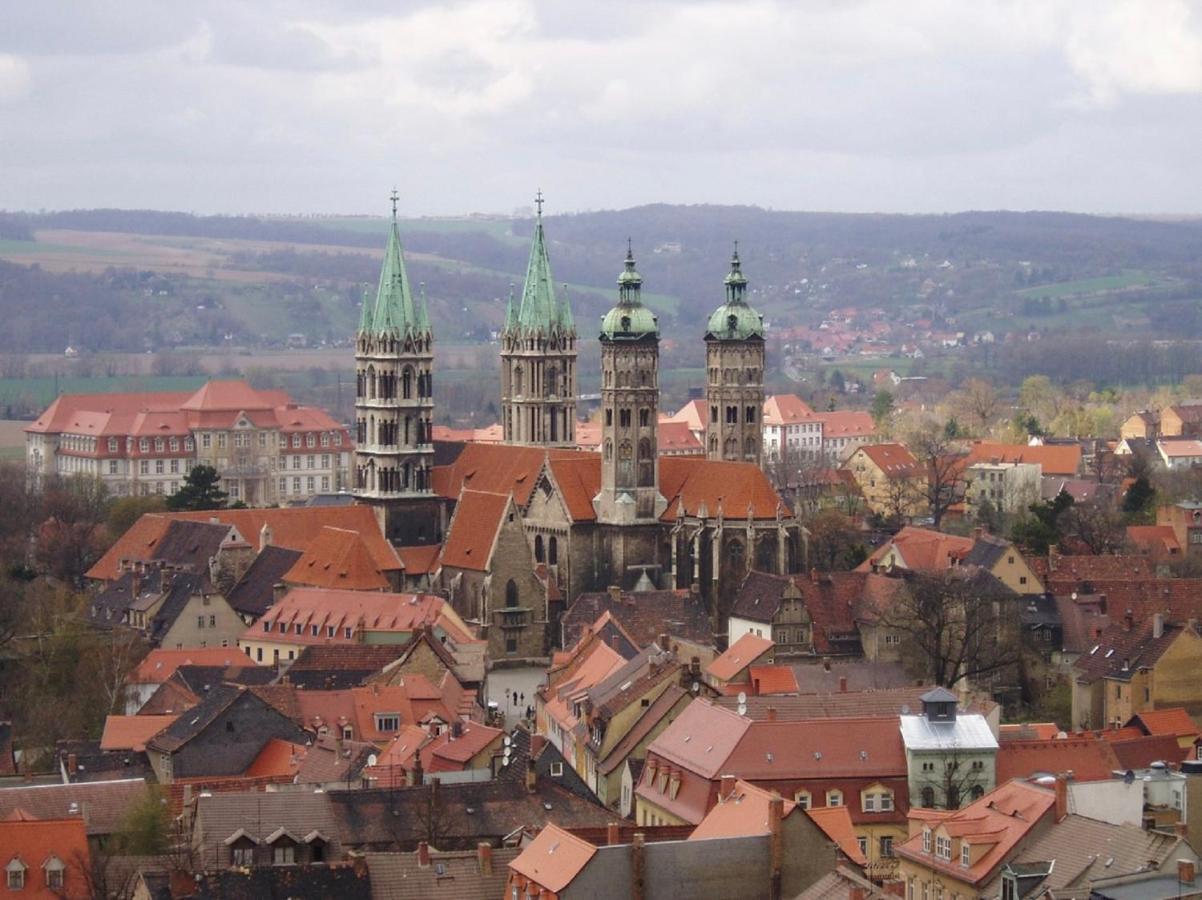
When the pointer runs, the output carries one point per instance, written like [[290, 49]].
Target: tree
[[835, 542], [955, 625], [1041, 530], [1097, 526], [124, 511], [942, 486], [200, 490], [68, 540], [1140, 498], [882, 407], [980, 402]]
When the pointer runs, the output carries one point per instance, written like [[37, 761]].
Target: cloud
[[16, 80]]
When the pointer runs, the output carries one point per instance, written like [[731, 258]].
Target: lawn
[[1128, 278], [41, 391]]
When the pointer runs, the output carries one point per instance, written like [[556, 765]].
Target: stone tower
[[629, 408], [538, 357], [394, 401], [734, 392]]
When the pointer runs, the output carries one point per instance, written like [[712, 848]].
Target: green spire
[[629, 320], [735, 320], [511, 312], [365, 312], [395, 311], [540, 309]]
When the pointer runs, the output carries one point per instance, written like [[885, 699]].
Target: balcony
[[514, 617]]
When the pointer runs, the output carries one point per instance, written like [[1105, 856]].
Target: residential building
[[161, 663], [1182, 453], [1053, 459], [792, 430], [803, 615], [1008, 487], [891, 480], [267, 449], [951, 756], [248, 830], [1181, 420], [735, 665], [45, 858], [930, 552]]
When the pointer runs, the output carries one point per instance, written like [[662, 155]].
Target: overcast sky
[[849, 105]]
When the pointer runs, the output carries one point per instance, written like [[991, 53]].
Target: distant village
[[745, 648]]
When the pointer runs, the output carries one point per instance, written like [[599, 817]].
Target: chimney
[[664, 644], [755, 687], [695, 666], [531, 776], [1181, 829], [615, 593], [1061, 797], [638, 867], [264, 537], [727, 787], [484, 856], [826, 663], [456, 729], [72, 765], [813, 576], [1185, 871], [423, 854], [771, 713], [776, 809], [416, 774], [613, 834], [278, 590], [1128, 620], [842, 684], [1158, 625]]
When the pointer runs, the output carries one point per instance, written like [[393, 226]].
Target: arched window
[[511, 593], [517, 380], [407, 383], [538, 548], [977, 792], [928, 797], [553, 550], [371, 382]]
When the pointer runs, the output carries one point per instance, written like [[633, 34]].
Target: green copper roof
[[395, 311], [511, 312], [540, 309], [734, 320], [629, 320], [365, 312]]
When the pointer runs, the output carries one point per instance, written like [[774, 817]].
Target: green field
[[41, 391], [1128, 278]]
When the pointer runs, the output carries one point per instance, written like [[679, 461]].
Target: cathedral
[[579, 520]]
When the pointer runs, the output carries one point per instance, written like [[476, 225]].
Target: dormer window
[[834, 798], [943, 847], [15, 872], [965, 854], [926, 840]]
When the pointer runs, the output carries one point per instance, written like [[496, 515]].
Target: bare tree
[[68, 539], [954, 626], [943, 484], [835, 542], [1096, 525], [980, 403]]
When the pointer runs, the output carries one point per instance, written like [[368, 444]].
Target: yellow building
[[891, 480]]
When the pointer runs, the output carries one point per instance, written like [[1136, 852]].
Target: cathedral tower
[[538, 357], [734, 393], [629, 408], [394, 400]]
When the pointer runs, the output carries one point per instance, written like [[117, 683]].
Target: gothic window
[[551, 383], [609, 417], [751, 447], [538, 548], [731, 448], [407, 383], [713, 443], [624, 418], [371, 382], [735, 555], [609, 449], [511, 593], [625, 453], [405, 476], [732, 415], [517, 380], [765, 557], [714, 414], [644, 449], [750, 415], [645, 378], [553, 550], [928, 797], [644, 417]]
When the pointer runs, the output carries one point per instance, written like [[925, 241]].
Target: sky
[[314, 106]]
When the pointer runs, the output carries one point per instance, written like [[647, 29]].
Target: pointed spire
[[540, 310], [511, 312], [629, 319], [736, 282], [394, 311], [365, 312], [566, 322], [630, 281]]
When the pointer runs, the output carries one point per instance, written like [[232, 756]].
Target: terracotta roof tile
[[159, 664], [1053, 459], [786, 409], [1174, 720], [338, 558], [1140, 752], [420, 560], [277, 758], [836, 824], [773, 680], [1087, 758], [894, 460], [105, 804], [742, 813], [473, 531], [446, 753], [132, 732], [746, 651], [34, 843], [554, 858]]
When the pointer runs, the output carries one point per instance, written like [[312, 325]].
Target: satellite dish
[[371, 759], [508, 740], [742, 709], [905, 709], [742, 698]]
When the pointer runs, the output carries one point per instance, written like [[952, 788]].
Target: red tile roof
[[1140, 752], [338, 558], [1087, 758], [1156, 540], [741, 813], [922, 550], [292, 528], [413, 699], [836, 824], [846, 423], [132, 732], [1053, 459], [36, 842], [1174, 720], [894, 460], [773, 680], [675, 437], [473, 531], [277, 759], [748, 649], [451, 754], [786, 409], [553, 859], [420, 560], [159, 665]]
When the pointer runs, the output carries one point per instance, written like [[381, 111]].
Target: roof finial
[[538, 202], [394, 198], [629, 249]]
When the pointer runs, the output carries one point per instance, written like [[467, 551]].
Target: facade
[[890, 478], [394, 398], [1009, 487], [267, 449], [629, 407], [734, 393], [793, 431], [538, 358], [951, 756]]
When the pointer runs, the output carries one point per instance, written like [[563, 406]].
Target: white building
[[1010, 487]]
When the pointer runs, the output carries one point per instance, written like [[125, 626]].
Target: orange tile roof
[[1042, 731], [447, 754], [1174, 720], [996, 822], [741, 813], [691, 414], [846, 423], [1087, 758], [675, 437], [1154, 539], [132, 732], [773, 680], [922, 550], [835, 822], [412, 698], [59, 415], [227, 395], [420, 560], [397, 756], [34, 842], [1053, 459], [741, 654], [473, 531], [593, 665], [497, 469], [786, 409], [292, 620], [277, 759], [292, 528], [554, 858], [338, 558], [688, 483], [894, 460], [160, 664]]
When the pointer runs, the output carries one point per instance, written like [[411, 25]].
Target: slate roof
[[190, 545], [255, 590], [382, 818], [1121, 651], [644, 615], [450, 875], [93, 764], [103, 804], [259, 814], [337, 666], [831, 599], [161, 663], [316, 882], [329, 760]]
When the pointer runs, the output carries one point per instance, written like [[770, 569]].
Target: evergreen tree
[[199, 491]]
